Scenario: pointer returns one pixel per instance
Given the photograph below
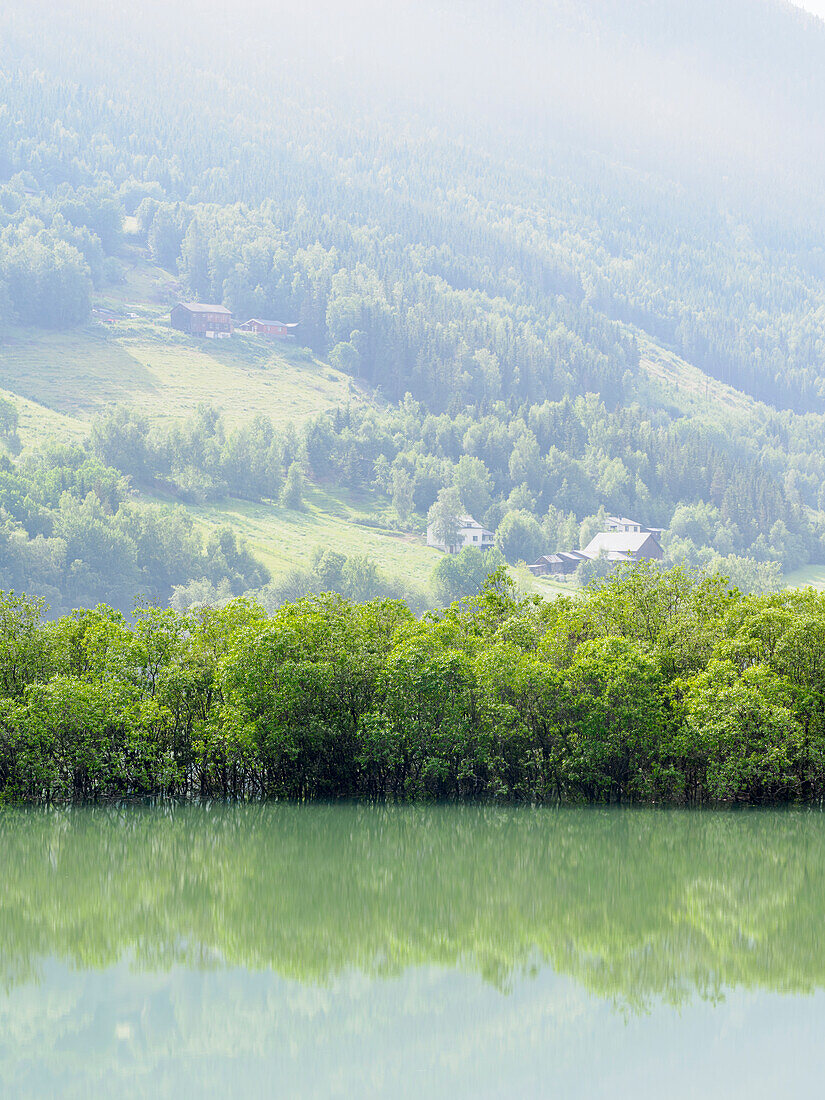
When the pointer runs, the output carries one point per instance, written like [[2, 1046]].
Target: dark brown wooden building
[[202, 320]]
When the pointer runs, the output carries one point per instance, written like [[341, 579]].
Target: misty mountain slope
[[493, 219], [741, 295]]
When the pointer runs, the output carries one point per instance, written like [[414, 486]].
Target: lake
[[360, 951]]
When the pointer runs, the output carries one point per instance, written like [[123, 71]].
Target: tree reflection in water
[[633, 904]]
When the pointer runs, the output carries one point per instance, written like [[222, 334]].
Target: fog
[[733, 89], [815, 7]]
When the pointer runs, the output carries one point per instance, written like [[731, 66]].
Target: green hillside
[[668, 378], [139, 359], [58, 381], [143, 362], [129, 354], [538, 302]]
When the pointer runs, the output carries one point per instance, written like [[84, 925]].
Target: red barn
[[268, 328], [202, 320]]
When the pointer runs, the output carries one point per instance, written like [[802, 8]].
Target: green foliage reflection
[[634, 904]]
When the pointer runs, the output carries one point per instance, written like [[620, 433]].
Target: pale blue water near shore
[[408, 952]]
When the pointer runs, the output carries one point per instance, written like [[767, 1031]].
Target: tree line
[[658, 685], [55, 250]]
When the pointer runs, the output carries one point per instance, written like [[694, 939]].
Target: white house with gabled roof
[[470, 533], [624, 546], [630, 526]]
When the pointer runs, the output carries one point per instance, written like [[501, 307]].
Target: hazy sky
[[815, 6]]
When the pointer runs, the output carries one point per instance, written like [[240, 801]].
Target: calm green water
[[396, 952]]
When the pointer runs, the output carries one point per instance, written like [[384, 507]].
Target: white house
[[623, 524], [624, 546], [470, 533]]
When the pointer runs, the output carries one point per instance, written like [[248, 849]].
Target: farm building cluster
[[215, 322], [625, 540]]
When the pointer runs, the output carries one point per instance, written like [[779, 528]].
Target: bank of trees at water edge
[[659, 685]]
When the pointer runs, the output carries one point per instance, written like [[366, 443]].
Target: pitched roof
[[201, 307], [617, 542], [466, 523], [625, 521], [260, 321], [561, 556]]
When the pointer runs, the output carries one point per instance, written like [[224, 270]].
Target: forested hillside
[[484, 216]]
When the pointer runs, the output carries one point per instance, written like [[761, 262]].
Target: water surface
[[441, 952]]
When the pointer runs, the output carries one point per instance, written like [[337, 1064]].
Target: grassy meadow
[[666, 378], [145, 363], [284, 538], [809, 576], [130, 354]]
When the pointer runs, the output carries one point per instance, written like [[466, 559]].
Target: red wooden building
[[268, 328], [202, 320]]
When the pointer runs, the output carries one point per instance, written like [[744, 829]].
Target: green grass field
[[676, 382], [812, 576], [37, 421], [166, 373], [543, 586], [139, 359], [283, 538]]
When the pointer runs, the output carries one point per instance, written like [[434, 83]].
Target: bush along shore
[[656, 686]]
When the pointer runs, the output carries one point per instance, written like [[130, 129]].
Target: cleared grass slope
[[166, 374], [667, 379], [130, 354], [284, 538], [809, 576]]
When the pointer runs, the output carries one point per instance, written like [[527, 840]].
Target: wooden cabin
[[200, 319], [560, 564], [268, 328]]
